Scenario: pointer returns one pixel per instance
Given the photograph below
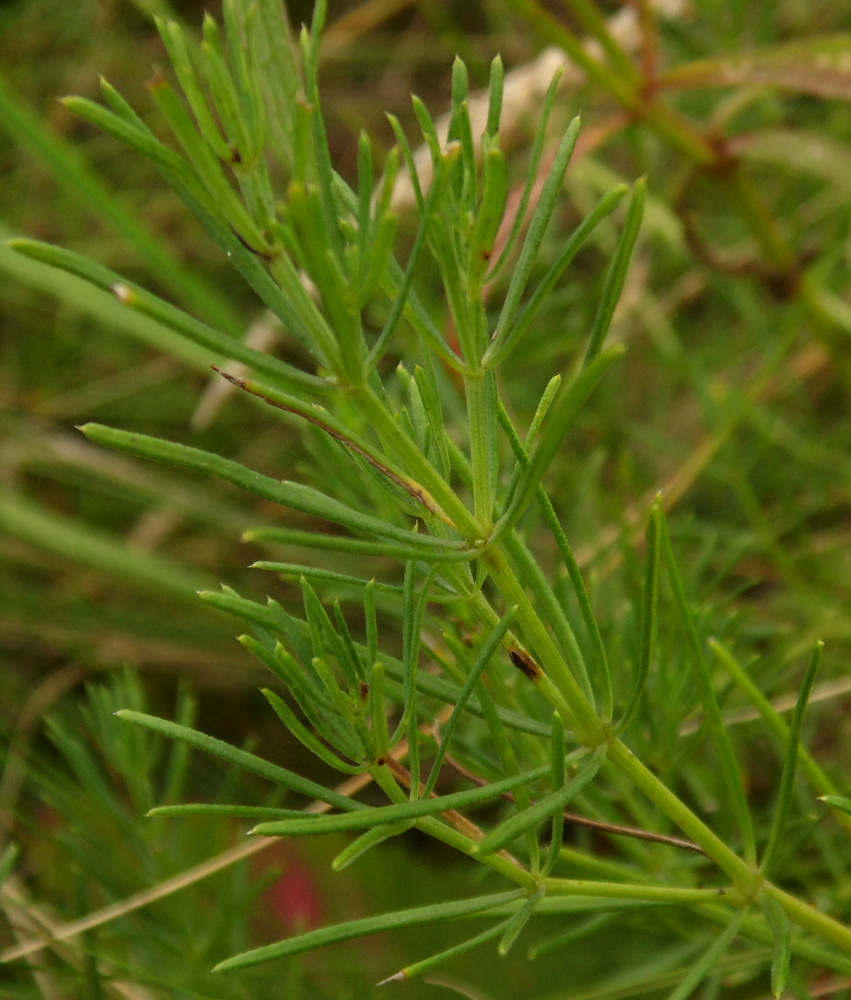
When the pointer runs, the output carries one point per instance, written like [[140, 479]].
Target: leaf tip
[[397, 977]]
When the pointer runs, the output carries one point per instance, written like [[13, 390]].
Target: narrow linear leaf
[[320, 417], [287, 494], [378, 708], [516, 923], [616, 275], [426, 383], [535, 235], [649, 613], [532, 173], [121, 106], [306, 738], [838, 802], [587, 927], [413, 613], [496, 86], [543, 810], [497, 353], [782, 930], [561, 416], [371, 624], [408, 156], [364, 193], [490, 214], [427, 127], [324, 575], [790, 765], [84, 185], [241, 759], [219, 809], [417, 917], [402, 298], [222, 345], [600, 664], [701, 968], [557, 776], [773, 719], [131, 135], [401, 812], [730, 777], [454, 551], [365, 842], [418, 969], [485, 653], [428, 684], [460, 131]]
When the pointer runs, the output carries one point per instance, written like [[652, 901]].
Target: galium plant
[[518, 697]]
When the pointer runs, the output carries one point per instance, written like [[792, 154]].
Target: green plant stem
[[807, 916], [743, 876], [748, 880]]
